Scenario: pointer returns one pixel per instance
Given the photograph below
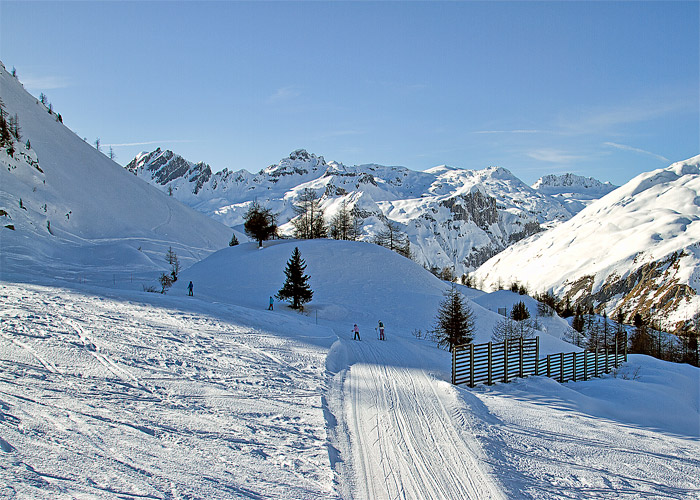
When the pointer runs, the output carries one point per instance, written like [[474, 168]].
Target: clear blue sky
[[595, 88]]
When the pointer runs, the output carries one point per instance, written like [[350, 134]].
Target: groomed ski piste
[[107, 391]]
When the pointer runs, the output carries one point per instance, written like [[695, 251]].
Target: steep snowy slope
[[77, 202], [451, 215], [638, 249]]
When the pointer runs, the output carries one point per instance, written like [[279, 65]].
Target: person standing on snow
[[381, 330], [271, 304], [356, 331], [189, 289]]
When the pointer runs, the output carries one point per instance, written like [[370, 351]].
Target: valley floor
[[118, 394]]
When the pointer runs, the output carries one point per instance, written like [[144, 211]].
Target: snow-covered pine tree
[[296, 287], [454, 323]]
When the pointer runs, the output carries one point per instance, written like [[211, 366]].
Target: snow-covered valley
[[109, 391]]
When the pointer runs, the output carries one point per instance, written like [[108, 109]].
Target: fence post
[[595, 371], [505, 361], [575, 365], [471, 365], [616, 354], [549, 366], [561, 368], [522, 360], [537, 355], [585, 365], [490, 367], [454, 365], [625, 346], [607, 364]]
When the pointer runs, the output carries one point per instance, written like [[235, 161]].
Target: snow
[[648, 219], [107, 391]]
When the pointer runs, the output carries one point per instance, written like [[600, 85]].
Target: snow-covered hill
[[75, 201], [637, 248], [121, 393], [574, 191], [451, 215]]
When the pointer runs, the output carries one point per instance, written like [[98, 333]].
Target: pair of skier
[[356, 331]]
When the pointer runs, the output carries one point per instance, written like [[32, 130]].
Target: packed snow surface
[[116, 393]]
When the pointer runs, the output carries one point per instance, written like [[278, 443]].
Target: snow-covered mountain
[[450, 215], [636, 249], [61, 196], [574, 191]]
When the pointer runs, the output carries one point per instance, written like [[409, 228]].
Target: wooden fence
[[489, 363]]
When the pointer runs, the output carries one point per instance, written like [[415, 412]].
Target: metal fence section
[[501, 362]]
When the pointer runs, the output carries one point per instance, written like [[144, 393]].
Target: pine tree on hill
[[296, 287], [454, 323], [260, 223], [310, 222]]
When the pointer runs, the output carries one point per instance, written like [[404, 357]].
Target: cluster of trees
[[10, 130], [310, 222], [517, 324], [167, 279]]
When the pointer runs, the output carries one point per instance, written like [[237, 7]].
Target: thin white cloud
[[625, 147], [553, 156], [45, 82], [516, 131], [147, 143], [283, 94]]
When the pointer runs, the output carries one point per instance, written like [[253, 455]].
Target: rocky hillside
[[574, 191], [452, 216], [636, 249]]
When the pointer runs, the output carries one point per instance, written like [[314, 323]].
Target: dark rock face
[[474, 206]]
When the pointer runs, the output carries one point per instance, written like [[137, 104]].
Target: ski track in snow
[[403, 437]]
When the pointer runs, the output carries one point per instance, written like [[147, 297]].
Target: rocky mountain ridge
[[453, 217]]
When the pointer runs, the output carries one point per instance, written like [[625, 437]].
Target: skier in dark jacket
[[381, 330], [189, 289]]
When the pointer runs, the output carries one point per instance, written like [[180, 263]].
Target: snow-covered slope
[[120, 393], [574, 191], [76, 202], [638, 248], [451, 215]]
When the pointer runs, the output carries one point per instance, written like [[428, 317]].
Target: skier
[[271, 303], [189, 289], [356, 331], [381, 330]]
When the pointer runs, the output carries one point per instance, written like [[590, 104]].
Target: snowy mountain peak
[[555, 184]]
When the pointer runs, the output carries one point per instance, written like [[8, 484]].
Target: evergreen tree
[[97, 144], [578, 322], [641, 341], [112, 154], [519, 312], [309, 223], [260, 223], [454, 323], [296, 287], [234, 241], [620, 330], [171, 258]]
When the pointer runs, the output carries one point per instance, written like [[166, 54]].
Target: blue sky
[[595, 88]]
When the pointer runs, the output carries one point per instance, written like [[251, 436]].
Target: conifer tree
[[260, 223], [520, 312], [171, 258], [454, 323], [234, 241], [296, 287]]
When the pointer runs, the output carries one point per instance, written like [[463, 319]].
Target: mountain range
[[453, 217]]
